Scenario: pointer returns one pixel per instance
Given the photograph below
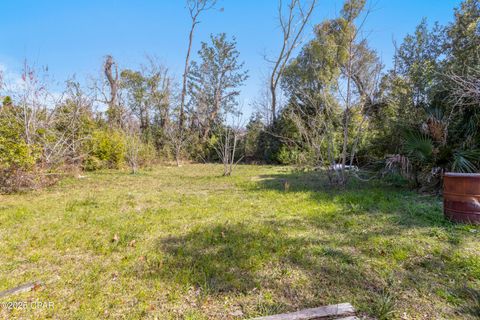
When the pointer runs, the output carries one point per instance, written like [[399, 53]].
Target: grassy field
[[186, 243]]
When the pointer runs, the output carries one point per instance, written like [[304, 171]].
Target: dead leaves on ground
[[116, 240]]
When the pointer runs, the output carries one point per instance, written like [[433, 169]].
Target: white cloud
[[13, 85], [12, 81]]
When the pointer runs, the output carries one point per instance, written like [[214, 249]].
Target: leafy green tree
[[332, 88], [147, 98], [253, 147], [464, 36], [418, 59], [135, 84], [437, 120], [214, 83]]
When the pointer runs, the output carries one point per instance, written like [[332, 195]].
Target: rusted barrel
[[461, 197]]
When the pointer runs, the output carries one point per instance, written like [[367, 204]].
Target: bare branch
[[195, 7], [292, 28]]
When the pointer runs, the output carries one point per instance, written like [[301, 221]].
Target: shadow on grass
[[301, 271], [401, 210], [405, 207], [304, 271], [234, 257], [308, 260], [471, 306]]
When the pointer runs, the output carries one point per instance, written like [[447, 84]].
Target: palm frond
[[435, 112], [471, 125], [466, 161], [418, 146], [399, 162]]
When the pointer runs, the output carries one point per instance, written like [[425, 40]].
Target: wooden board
[[343, 309], [23, 288]]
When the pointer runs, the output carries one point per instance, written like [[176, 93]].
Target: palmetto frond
[[435, 112], [466, 161], [399, 162], [418, 146]]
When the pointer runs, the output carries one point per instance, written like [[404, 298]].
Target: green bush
[[14, 151], [105, 150], [17, 158], [288, 156], [147, 154]]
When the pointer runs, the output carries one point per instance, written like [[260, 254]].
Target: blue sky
[[72, 37]]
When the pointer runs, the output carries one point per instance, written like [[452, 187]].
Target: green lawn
[[186, 243]]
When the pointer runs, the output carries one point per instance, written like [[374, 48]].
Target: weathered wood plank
[[343, 309], [23, 288]]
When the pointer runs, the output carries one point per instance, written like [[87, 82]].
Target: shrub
[[17, 158], [137, 153], [105, 150], [14, 179], [14, 151], [147, 154], [288, 156]]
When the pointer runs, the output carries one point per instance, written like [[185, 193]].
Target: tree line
[[328, 104]]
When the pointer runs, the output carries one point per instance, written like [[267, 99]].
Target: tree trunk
[[274, 102], [181, 119], [114, 117]]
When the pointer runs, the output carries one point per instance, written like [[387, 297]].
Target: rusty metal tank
[[461, 197]]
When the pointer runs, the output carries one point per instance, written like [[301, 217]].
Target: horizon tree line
[[328, 103]]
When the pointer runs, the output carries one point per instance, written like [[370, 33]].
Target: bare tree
[[32, 97], [292, 26], [466, 87], [159, 87], [464, 93], [66, 131], [227, 146], [133, 144], [50, 122], [1, 79], [178, 140], [317, 131], [195, 8], [110, 69], [263, 102]]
